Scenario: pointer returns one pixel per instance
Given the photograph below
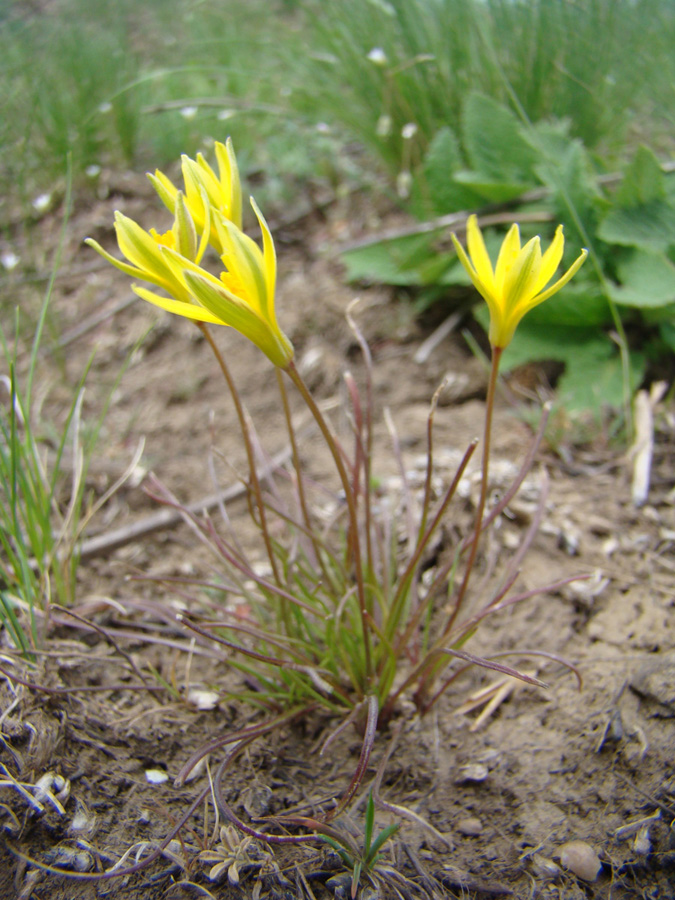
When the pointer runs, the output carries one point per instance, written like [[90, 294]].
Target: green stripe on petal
[[231, 310], [519, 281], [508, 254], [134, 271], [243, 258], [165, 188]]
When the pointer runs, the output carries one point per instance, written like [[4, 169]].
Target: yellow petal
[[165, 188], [471, 272], [138, 246], [229, 181], [551, 260], [561, 282], [244, 259], [478, 253], [192, 178], [178, 307]]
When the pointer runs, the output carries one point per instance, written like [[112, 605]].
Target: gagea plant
[[337, 616]]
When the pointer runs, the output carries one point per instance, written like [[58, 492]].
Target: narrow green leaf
[[369, 825], [383, 836]]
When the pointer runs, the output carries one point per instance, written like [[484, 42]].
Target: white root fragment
[[643, 446]]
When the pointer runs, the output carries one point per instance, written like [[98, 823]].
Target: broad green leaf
[[489, 190], [549, 140], [593, 378], [647, 280], [435, 192], [389, 262], [594, 381], [650, 226], [667, 332], [643, 181], [539, 342], [657, 315], [580, 305], [494, 141], [569, 176]]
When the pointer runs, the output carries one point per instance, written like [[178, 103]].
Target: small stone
[[472, 773], [642, 844], [581, 859], [544, 867], [156, 776], [470, 826], [204, 700]]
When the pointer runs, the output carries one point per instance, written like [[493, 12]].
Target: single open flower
[[203, 188], [518, 282]]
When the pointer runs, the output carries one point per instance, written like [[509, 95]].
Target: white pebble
[[581, 859], [156, 776], [470, 826]]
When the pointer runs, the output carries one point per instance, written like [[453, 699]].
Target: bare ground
[[546, 768]]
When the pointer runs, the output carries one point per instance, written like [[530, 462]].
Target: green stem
[[353, 539], [300, 481], [485, 471], [253, 473]]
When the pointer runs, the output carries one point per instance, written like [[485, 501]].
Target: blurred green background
[[546, 110]]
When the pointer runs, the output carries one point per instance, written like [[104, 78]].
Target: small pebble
[[156, 776], [581, 859], [472, 773], [202, 699], [544, 867], [642, 844], [471, 826]]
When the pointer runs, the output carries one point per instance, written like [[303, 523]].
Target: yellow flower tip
[[518, 282], [166, 190], [227, 301]]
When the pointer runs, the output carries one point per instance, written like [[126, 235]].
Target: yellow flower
[[243, 296], [146, 250], [518, 282], [204, 189]]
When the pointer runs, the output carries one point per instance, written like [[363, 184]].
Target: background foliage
[[549, 111]]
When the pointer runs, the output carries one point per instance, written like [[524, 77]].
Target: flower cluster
[[208, 211]]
